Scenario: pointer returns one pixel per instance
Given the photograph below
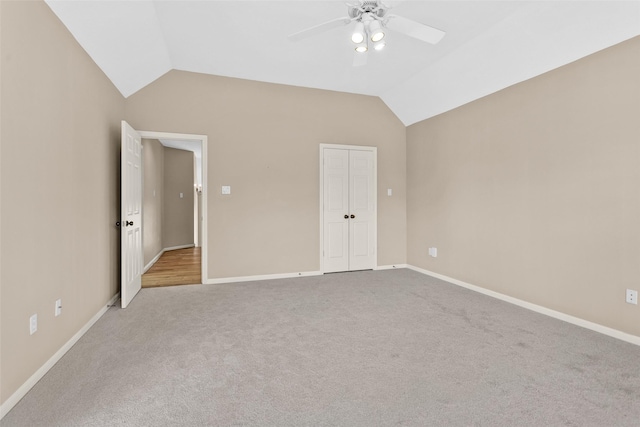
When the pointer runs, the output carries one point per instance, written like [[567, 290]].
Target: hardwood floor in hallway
[[177, 267]]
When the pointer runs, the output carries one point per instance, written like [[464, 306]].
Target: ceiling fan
[[372, 19]]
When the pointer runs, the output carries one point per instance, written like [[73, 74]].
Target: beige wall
[[264, 142], [177, 227], [60, 144], [533, 191], [152, 198]]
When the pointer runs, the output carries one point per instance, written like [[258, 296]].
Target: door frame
[[203, 139], [373, 150]]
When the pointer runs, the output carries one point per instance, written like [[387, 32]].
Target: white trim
[[614, 333], [153, 261], [261, 277], [175, 248], [204, 139], [374, 150], [391, 267], [37, 376], [204, 244], [349, 147], [157, 257], [321, 207]]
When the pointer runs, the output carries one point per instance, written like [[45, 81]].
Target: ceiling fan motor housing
[[367, 8]]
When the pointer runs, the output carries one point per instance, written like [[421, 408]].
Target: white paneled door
[[349, 209], [131, 214]]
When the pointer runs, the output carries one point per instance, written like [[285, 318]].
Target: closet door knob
[[346, 217], [353, 216]]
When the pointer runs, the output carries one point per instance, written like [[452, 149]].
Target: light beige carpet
[[386, 348]]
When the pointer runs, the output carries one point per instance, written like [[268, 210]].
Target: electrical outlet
[[632, 296], [433, 252], [58, 310], [33, 324]]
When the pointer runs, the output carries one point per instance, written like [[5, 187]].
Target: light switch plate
[[389, 192], [33, 324], [226, 189]]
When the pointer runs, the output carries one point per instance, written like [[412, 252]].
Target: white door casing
[[348, 208], [131, 214]]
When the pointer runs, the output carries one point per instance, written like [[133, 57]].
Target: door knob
[[353, 216], [128, 223], [346, 217]]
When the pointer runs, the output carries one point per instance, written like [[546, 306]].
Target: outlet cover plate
[[632, 296]]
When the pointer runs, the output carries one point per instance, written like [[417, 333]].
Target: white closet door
[[349, 210], [336, 207], [361, 211]]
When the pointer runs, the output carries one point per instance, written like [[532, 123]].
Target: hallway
[[177, 267]]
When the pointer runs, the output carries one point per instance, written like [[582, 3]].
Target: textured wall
[[152, 198], [264, 142], [534, 191], [60, 137], [177, 227]]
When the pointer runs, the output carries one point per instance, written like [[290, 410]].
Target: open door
[[131, 214]]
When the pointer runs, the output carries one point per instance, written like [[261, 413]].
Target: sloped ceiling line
[[489, 45]]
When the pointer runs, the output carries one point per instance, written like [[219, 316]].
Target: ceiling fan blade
[[320, 28], [414, 29], [360, 59]]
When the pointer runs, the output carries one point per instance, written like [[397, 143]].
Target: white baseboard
[[614, 333], [260, 277], [153, 261], [37, 376], [285, 275], [157, 257], [391, 267], [173, 248]]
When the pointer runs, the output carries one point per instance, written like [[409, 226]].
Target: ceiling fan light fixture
[[362, 48], [358, 33], [375, 29], [379, 46]]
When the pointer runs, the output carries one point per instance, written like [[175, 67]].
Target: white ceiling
[[489, 45]]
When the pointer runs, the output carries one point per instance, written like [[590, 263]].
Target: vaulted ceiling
[[488, 45]]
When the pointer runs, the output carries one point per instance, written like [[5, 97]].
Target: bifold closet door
[[348, 210]]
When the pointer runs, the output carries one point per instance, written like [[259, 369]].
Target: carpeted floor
[[385, 348]]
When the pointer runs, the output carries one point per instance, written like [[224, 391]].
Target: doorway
[[348, 208], [175, 267], [176, 256]]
